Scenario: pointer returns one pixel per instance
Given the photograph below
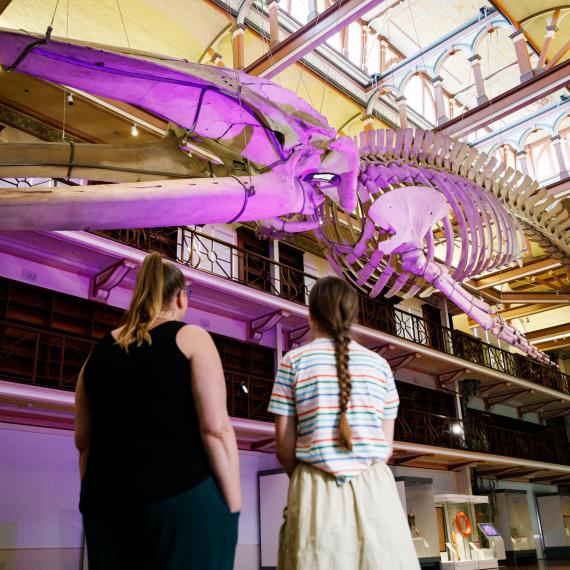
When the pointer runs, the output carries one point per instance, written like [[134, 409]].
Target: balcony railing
[[226, 260], [41, 358], [418, 426]]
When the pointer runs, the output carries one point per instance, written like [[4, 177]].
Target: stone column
[[475, 62], [383, 47], [273, 8], [402, 111], [521, 155], [523, 58], [314, 12], [562, 168], [238, 45], [439, 105]]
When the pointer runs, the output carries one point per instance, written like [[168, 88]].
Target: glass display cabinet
[[468, 538], [513, 522], [554, 513], [417, 499]]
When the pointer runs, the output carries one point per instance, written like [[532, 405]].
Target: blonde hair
[[157, 283], [333, 306]]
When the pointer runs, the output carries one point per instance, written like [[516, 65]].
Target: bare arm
[[209, 390], [286, 439], [82, 423], [388, 428]]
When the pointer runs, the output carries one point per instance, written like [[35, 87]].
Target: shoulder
[[312, 349], [371, 356], [192, 339]]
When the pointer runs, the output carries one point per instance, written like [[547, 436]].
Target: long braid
[[342, 355], [333, 306]]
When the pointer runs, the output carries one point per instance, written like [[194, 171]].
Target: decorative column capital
[[476, 58], [401, 100], [437, 80], [551, 30], [522, 153], [557, 139], [238, 30], [517, 36]]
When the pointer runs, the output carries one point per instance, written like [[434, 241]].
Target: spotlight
[[135, 130], [244, 388], [70, 100], [456, 428]]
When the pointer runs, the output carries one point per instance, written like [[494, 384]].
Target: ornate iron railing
[[480, 435], [226, 260], [42, 358]]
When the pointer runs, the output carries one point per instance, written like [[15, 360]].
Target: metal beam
[[513, 274], [507, 103], [439, 46], [508, 298], [549, 332], [3, 5], [518, 127], [310, 36], [559, 187]]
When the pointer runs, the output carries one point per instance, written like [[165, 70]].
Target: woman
[[335, 404], [158, 456]]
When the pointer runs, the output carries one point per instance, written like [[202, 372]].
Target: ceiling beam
[[520, 312], [507, 298], [549, 332], [518, 473], [310, 36], [507, 103], [3, 5], [559, 187], [516, 129], [553, 344], [514, 274]]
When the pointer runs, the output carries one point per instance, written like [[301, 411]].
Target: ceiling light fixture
[[135, 130], [70, 100]]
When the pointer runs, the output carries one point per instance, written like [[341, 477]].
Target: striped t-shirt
[[307, 386]]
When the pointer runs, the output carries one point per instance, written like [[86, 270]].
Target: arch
[[409, 76], [451, 50], [547, 127], [482, 33], [422, 98], [242, 11], [558, 122]]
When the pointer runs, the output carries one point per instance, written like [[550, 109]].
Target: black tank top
[[145, 440]]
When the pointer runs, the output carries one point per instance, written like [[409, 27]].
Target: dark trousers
[[190, 531]]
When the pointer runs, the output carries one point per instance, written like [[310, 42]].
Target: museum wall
[[40, 525]]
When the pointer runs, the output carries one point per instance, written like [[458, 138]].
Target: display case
[[416, 494], [554, 513], [467, 537], [513, 521]]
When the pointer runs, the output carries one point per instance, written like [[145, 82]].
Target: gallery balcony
[[209, 254], [39, 369]]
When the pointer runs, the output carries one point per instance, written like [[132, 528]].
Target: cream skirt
[[356, 526]]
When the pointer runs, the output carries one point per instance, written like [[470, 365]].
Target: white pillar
[[402, 111], [439, 105], [475, 62], [314, 11], [238, 46], [273, 8], [562, 168], [523, 58], [521, 154]]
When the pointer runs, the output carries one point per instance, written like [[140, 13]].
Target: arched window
[[419, 95], [542, 163]]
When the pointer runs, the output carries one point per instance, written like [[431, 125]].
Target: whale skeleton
[[397, 211]]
